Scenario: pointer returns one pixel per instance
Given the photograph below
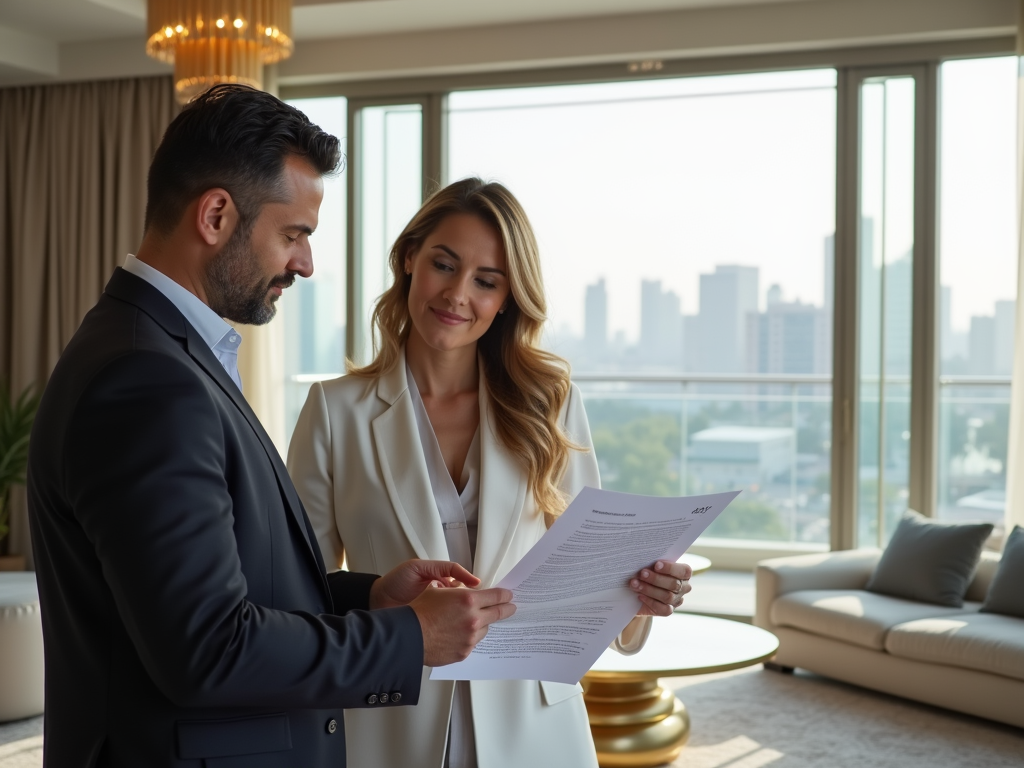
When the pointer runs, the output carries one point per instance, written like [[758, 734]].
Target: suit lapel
[[127, 287], [502, 495], [404, 469], [204, 356]]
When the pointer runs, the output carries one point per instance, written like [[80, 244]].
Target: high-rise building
[[899, 291], [828, 292], [789, 337], [829, 281], [727, 296], [981, 358], [595, 321], [870, 301], [320, 347], [945, 322], [661, 326], [1002, 337]]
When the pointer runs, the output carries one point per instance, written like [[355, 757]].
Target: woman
[[462, 440]]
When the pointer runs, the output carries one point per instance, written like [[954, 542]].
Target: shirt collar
[[212, 328]]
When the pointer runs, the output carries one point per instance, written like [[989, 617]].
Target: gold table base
[[635, 722]]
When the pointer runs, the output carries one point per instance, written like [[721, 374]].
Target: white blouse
[[460, 514]]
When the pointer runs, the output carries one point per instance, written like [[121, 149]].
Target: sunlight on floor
[[739, 752], [24, 753]]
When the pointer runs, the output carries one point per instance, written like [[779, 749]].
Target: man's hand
[[661, 588], [404, 583], [455, 620]]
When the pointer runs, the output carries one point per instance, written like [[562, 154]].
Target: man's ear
[[216, 216]]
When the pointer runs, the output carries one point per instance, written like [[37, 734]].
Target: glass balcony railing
[[974, 418], [768, 435], [667, 435]]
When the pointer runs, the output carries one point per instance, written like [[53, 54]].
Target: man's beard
[[239, 292]]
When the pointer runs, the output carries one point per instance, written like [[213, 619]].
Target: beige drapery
[[261, 356], [1015, 457], [73, 164]]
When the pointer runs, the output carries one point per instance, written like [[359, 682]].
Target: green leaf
[[16, 417]]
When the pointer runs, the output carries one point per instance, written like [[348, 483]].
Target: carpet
[[21, 743], [752, 718]]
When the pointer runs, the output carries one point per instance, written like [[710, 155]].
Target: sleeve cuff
[[633, 637]]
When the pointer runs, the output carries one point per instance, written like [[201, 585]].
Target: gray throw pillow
[[930, 561], [1006, 593]]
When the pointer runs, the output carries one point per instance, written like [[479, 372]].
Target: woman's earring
[[501, 311]]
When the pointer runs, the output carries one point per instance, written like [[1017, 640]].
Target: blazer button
[[396, 697], [371, 699], [332, 726], [384, 698]]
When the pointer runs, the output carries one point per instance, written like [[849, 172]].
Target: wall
[[731, 30]]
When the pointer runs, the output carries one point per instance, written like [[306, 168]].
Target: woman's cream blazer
[[358, 464]]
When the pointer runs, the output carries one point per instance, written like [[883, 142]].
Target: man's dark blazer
[[187, 616]]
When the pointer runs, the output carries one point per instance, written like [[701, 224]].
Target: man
[[187, 616]]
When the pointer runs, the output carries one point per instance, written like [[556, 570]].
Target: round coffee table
[[697, 563], [636, 722]]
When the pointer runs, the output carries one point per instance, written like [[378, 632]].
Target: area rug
[[753, 718], [21, 744]]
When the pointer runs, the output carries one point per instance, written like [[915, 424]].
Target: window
[[313, 311], [978, 278], [706, 242], [686, 231], [388, 181], [885, 261]]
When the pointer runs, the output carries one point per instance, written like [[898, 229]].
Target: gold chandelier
[[218, 41]]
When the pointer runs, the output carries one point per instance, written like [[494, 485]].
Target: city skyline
[[730, 333]]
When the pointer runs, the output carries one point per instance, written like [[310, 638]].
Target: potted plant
[[16, 416]]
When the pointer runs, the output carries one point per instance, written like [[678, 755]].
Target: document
[[571, 590]]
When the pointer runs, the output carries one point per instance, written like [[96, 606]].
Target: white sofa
[[829, 624], [21, 647]]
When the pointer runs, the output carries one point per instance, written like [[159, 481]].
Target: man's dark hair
[[236, 138]]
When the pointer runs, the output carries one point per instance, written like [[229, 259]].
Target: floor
[[752, 718]]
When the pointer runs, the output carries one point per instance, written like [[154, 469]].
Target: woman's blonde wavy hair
[[527, 385]]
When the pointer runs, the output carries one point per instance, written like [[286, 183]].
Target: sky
[[664, 179], [663, 185]]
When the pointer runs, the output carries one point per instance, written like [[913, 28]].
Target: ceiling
[[63, 21], [64, 40], [50, 40]]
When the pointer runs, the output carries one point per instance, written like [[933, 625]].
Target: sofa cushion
[[852, 615], [987, 567], [986, 642], [1005, 594], [930, 561]]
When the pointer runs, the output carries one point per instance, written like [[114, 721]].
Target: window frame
[[854, 66]]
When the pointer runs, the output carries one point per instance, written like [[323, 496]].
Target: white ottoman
[[21, 647]]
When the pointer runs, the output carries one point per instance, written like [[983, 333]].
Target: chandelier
[[218, 41]]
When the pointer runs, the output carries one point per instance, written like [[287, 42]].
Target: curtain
[[73, 165], [1015, 457], [261, 366], [261, 355]]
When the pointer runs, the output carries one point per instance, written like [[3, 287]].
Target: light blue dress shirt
[[222, 339]]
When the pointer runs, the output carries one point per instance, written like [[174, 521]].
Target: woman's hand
[[661, 588]]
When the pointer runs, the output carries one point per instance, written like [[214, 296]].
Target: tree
[[749, 518]]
